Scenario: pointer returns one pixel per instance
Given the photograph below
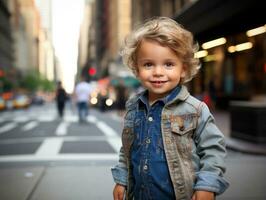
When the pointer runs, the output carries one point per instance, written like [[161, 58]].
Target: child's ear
[[184, 71]]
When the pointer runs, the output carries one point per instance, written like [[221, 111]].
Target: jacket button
[[145, 167], [150, 119]]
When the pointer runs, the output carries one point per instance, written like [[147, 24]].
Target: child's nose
[[158, 70]]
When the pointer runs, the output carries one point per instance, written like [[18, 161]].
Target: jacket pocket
[[182, 133], [183, 124]]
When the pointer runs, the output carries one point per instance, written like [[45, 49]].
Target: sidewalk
[[222, 119], [83, 181]]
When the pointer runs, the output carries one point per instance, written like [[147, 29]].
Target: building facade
[[235, 68], [6, 41]]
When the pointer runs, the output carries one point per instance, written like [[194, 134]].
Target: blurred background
[[43, 42]]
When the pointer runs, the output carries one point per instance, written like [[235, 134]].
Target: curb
[[245, 147]]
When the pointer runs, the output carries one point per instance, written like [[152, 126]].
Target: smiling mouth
[[158, 84]]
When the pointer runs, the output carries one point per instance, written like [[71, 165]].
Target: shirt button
[[150, 119], [145, 167], [148, 141]]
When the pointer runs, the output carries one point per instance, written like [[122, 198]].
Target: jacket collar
[[182, 96]]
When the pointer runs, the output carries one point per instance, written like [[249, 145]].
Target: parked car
[[21, 101], [2, 104], [37, 100]]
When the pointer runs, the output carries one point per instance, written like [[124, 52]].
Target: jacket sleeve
[[211, 150], [120, 171]]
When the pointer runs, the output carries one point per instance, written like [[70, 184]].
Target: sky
[[66, 20]]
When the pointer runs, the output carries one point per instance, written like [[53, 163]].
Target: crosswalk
[[99, 140]]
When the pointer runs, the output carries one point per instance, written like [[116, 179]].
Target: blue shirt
[[150, 171]]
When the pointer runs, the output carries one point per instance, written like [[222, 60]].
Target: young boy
[[171, 147]]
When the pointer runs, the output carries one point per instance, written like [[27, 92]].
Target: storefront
[[233, 60]]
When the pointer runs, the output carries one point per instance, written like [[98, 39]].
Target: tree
[[30, 81]]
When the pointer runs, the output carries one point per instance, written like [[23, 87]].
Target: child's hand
[[118, 192], [203, 195]]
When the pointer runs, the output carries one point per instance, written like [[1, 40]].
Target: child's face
[[158, 68]]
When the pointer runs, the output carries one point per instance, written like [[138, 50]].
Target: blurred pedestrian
[[121, 92], [171, 147], [61, 97], [82, 94]]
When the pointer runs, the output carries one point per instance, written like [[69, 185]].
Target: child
[[171, 147]]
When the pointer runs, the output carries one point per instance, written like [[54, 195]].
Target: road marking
[[112, 137], [116, 143], [62, 128], [115, 117], [59, 157], [29, 126], [41, 139], [21, 118], [46, 118], [7, 127], [50, 147], [71, 118], [2, 119], [108, 131], [91, 119]]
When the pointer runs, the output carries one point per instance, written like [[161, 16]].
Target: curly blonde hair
[[166, 32]]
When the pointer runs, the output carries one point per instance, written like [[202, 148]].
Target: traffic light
[[2, 73], [89, 72], [92, 71]]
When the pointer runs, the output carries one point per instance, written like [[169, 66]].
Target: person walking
[[121, 92], [171, 147], [61, 97], [82, 93]]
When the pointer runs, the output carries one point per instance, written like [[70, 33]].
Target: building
[[143, 10], [237, 65], [120, 26], [46, 62], [86, 44], [31, 32], [6, 41], [107, 22]]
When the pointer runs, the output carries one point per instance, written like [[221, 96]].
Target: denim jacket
[[194, 147]]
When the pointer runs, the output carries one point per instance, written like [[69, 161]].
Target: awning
[[128, 81], [209, 19]]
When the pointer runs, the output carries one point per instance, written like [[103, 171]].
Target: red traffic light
[[2, 73], [92, 71]]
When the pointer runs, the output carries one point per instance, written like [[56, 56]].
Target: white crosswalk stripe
[[8, 127], [62, 128], [30, 126], [46, 118], [113, 138], [58, 157], [50, 147], [21, 119]]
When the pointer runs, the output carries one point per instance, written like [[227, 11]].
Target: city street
[[57, 54], [45, 158]]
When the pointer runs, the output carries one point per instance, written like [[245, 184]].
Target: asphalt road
[[45, 158]]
